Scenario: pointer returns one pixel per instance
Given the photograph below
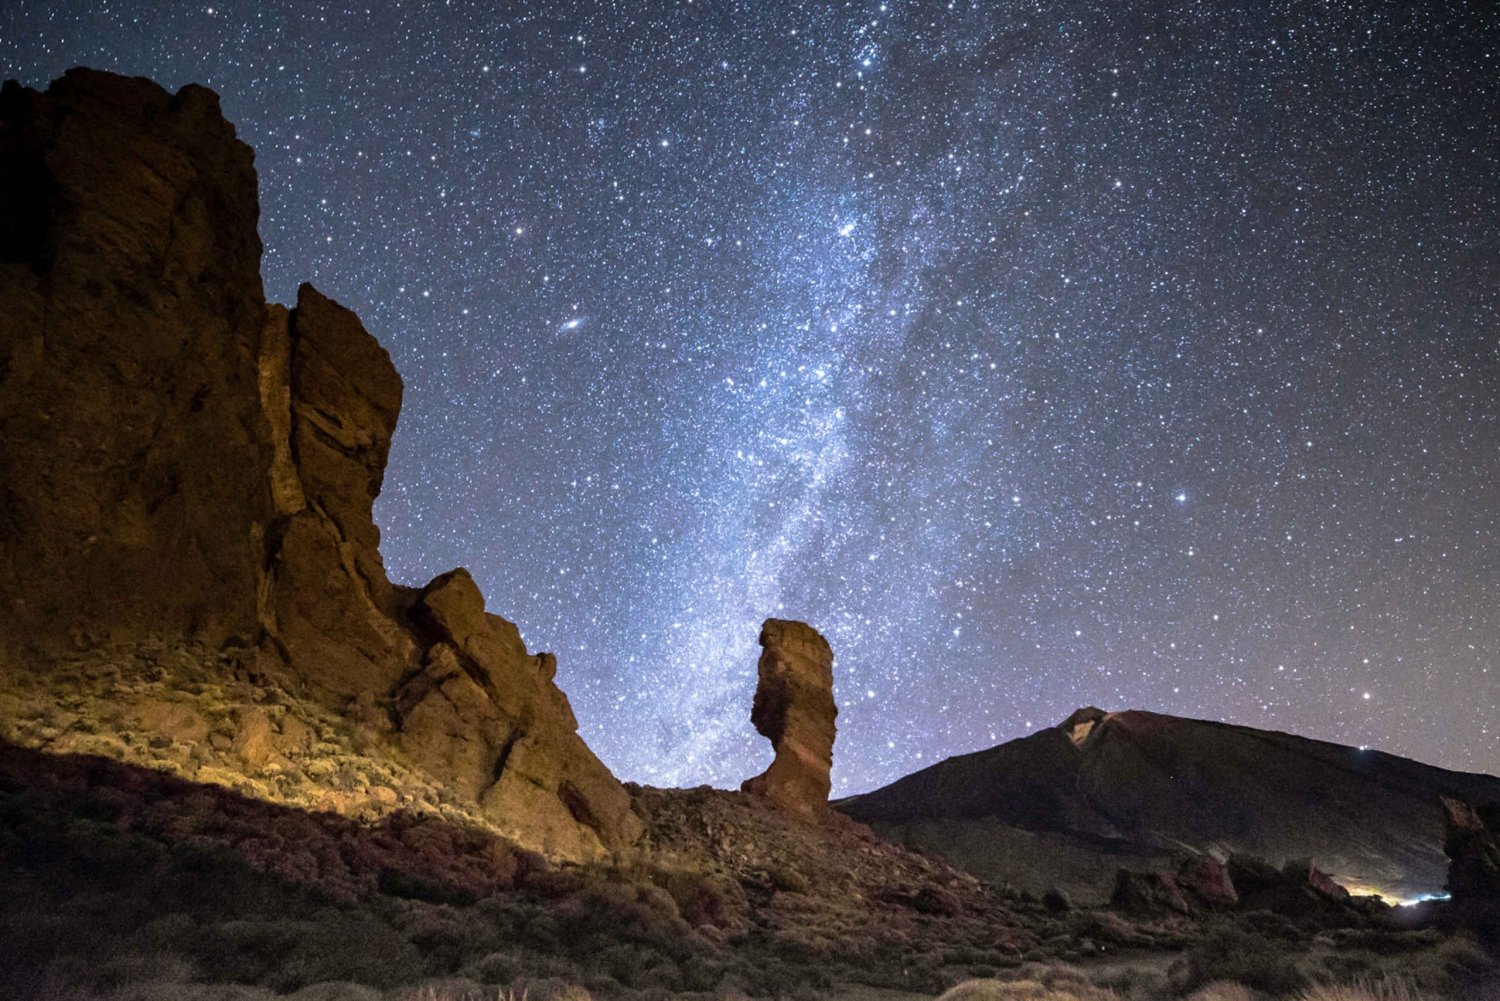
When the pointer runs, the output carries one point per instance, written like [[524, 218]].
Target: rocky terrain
[[185, 465], [1073, 803], [238, 762]]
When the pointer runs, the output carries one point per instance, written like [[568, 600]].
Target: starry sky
[[1039, 354]]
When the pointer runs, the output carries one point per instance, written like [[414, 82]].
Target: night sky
[[1039, 354]]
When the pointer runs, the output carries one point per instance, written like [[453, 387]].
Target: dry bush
[[1383, 990], [336, 991], [1240, 956], [546, 991], [1056, 984], [1223, 990], [154, 991]]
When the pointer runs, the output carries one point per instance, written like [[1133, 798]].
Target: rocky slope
[[186, 468], [1075, 802]]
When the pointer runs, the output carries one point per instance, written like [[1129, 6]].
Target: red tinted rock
[[1148, 894], [187, 463], [794, 708], [1206, 880], [1304, 873]]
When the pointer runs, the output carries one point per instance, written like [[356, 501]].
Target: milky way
[[1039, 354]]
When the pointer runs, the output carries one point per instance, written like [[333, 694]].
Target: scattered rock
[[794, 708], [296, 736], [175, 720]]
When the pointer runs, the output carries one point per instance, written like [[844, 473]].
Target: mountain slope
[[1104, 786]]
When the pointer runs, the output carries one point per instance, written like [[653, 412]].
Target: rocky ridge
[[185, 466]]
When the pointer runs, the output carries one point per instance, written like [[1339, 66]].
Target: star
[[819, 373]]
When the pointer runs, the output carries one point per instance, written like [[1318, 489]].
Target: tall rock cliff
[[794, 708], [182, 463]]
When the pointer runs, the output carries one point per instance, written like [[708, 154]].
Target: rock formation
[[1472, 842], [794, 709], [1205, 879], [1203, 884], [182, 462]]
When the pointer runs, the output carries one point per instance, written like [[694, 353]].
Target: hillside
[[1073, 802]]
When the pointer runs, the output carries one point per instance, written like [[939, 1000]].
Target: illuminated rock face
[[794, 708], [182, 462]]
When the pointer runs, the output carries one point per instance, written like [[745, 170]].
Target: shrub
[[1025, 990], [336, 991], [1239, 956], [544, 990], [1384, 990], [1223, 990]]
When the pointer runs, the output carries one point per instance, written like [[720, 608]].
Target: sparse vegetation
[[1056, 983], [1223, 990], [129, 882], [1238, 955], [1383, 990]]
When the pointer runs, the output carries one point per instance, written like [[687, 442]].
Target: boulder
[[794, 708], [1304, 873], [1148, 894], [182, 463], [1206, 881], [1299, 890]]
